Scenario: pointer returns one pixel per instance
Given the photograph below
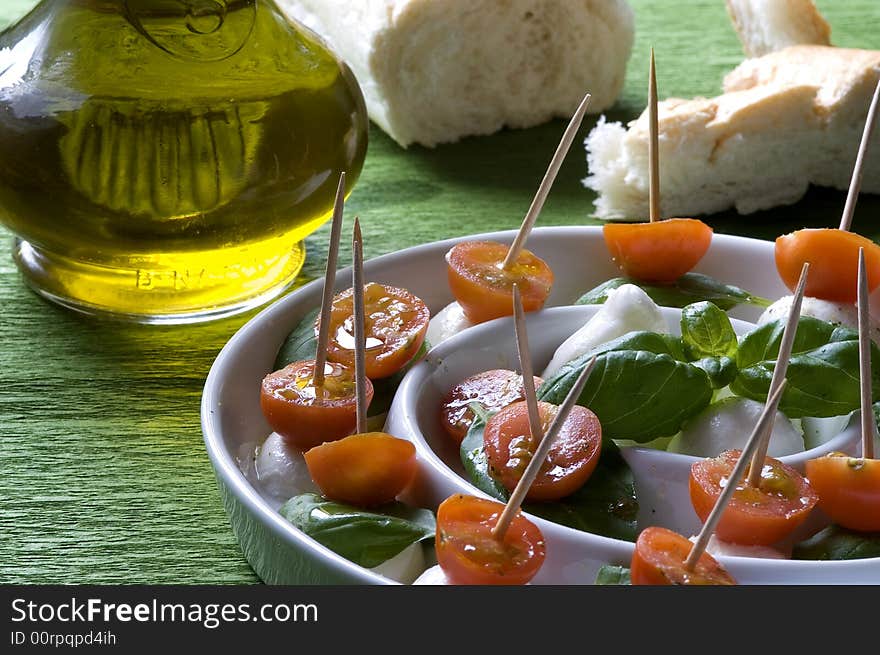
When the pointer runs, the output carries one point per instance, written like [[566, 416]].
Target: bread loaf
[[434, 71], [787, 120], [765, 26]]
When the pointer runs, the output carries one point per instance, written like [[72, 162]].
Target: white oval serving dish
[[232, 421], [574, 557]]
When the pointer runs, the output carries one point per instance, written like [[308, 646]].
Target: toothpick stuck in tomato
[[469, 552], [367, 468], [482, 274], [660, 251], [658, 559], [310, 401], [834, 253], [481, 541], [849, 487]]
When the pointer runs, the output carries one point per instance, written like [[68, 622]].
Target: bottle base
[[165, 288]]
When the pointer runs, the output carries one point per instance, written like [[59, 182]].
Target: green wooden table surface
[[103, 473]]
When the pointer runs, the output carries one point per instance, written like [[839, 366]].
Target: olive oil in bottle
[[162, 160]]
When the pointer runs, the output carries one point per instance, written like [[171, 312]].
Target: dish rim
[[230, 475]]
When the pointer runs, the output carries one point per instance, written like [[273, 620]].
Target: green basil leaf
[[637, 395], [606, 505], [688, 288], [822, 382], [652, 342], [837, 543], [613, 575], [762, 343], [706, 331], [300, 344], [365, 537], [598, 295], [476, 463], [721, 370]]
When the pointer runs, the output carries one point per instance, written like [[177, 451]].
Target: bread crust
[[787, 120], [766, 26], [435, 71]]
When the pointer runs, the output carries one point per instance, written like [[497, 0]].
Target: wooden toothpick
[[544, 189], [856, 181], [329, 284], [360, 342], [764, 422], [653, 145], [779, 371], [534, 467], [525, 365], [869, 424]]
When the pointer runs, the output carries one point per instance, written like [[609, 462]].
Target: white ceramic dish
[[231, 416], [574, 556]]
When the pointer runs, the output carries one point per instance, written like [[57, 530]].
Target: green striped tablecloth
[[104, 474]]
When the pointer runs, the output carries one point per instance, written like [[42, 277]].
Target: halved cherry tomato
[[307, 416], [755, 516], [469, 554], [364, 469], [848, 488], [485, 290], [395, 325], [659, 557], [493, 389], [833, 255], [662, 251], [572, 458]]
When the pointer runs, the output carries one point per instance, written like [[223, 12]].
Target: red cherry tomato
[[572, 458], [834, 257], [307, 416], [659, 557], [755, 516], [395, 325], [660, 252], [849, 490], [469, 554], [485, 290], [492, 389], [363, 469]]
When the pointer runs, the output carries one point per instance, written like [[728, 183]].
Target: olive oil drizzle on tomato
[[764, 421], [546, 439]]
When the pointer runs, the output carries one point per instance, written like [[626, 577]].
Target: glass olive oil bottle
[[162, 160]]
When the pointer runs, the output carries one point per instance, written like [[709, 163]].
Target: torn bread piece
[[787, 120], [433, 72], [765, 26]]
